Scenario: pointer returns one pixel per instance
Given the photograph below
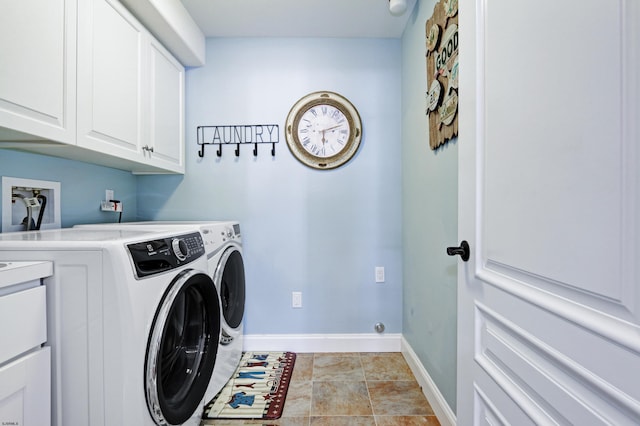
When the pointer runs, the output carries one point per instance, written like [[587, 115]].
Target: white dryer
[[223, 247], [134, 323]]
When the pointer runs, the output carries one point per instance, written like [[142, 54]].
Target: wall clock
[[323, 130]]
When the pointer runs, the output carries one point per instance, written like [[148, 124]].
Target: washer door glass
[[230, 279], [182, 348]]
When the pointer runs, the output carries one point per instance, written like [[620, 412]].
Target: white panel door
[[549, 301]]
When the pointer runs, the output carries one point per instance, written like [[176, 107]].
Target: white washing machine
[[134, 323], [223, 247]]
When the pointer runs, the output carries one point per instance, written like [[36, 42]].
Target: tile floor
[[350, 389]]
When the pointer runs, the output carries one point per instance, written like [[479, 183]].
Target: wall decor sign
[[442, 72], [238, 135]]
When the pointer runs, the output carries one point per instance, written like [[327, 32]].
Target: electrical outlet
[[296, 299], [379, 274], [111, 206]]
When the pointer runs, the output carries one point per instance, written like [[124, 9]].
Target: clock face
[[323, 130]]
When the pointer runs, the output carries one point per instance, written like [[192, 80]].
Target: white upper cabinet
[[111, 83], [117, 101], [166, 114], [130, 90], [37, 75]]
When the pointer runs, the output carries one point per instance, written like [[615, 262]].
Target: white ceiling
[[297, 18]]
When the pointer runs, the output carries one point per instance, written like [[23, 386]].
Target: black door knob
[[463, 251]]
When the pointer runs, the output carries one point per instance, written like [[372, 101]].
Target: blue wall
[[430, 219], [318, 232], [82, 185]]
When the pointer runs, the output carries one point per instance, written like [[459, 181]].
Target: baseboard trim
[[441, 408], [366, 342]]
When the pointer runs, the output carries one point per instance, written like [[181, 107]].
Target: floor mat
[[257, 389]]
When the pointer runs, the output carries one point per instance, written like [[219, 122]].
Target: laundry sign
[[442, 72], [237, 135], [245, 133]]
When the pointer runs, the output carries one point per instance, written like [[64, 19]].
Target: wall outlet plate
[[110, 206], [296, 299]]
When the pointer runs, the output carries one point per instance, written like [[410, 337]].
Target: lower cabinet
[[25, 396], [25, 363]]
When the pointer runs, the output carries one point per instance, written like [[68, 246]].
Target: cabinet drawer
[[23, 322]]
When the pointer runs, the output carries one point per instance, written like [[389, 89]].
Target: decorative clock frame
[[326, 115]]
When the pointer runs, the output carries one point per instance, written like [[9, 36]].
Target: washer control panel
[[161, 255], [216, 236]]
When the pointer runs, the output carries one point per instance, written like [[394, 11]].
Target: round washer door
[[229, 278], [182, 348]]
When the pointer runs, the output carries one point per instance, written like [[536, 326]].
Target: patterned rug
[[257, 389]]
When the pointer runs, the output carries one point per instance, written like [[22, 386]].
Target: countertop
[[16, 272]]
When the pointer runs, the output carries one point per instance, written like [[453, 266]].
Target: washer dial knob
[[180, 248]]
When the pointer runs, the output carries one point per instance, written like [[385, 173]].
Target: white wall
[[430, 218], [318, 232]]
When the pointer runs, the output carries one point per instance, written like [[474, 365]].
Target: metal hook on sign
[[199, 132]]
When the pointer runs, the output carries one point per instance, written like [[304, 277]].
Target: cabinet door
[[25, 394], [38, 72], [166, 110], [111, 90]]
